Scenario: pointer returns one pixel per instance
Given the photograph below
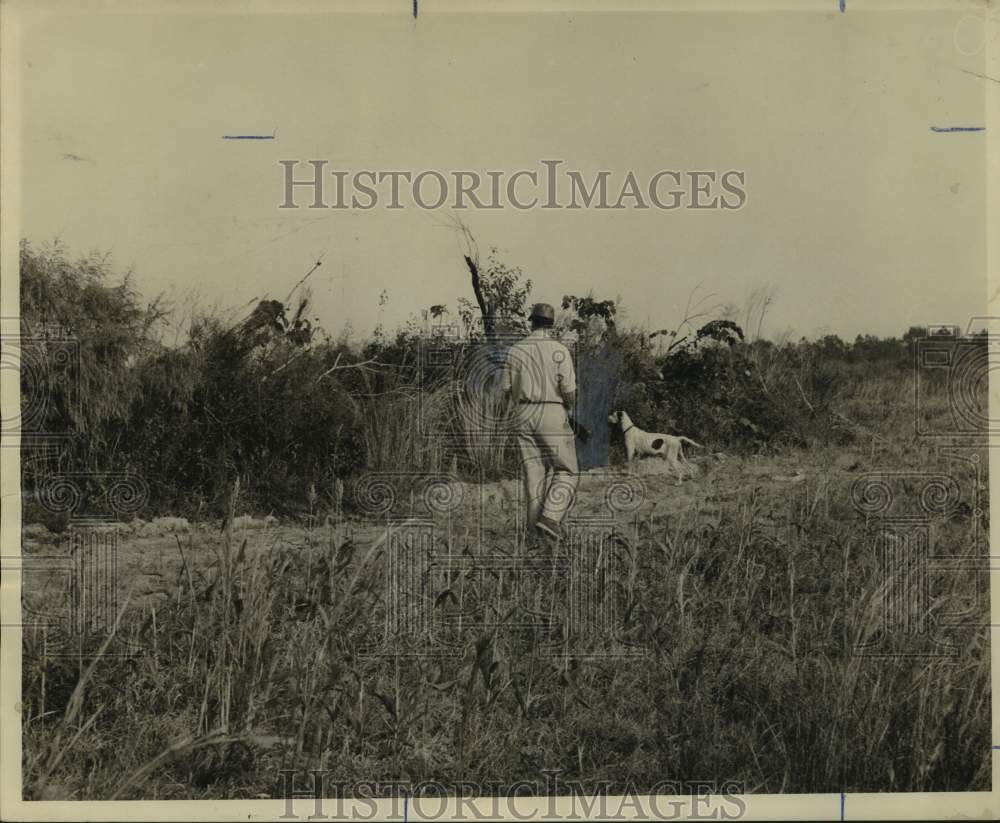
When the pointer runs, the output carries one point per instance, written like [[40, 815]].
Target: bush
[[274, 401]]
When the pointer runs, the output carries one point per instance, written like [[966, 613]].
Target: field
[[749, 590], [315, 584]]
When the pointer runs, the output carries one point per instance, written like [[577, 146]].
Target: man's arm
[[567, 381], [567, 390], [579, 429]]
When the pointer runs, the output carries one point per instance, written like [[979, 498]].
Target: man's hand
[[580, 430]]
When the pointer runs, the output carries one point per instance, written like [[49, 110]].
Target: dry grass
[[750, 596]]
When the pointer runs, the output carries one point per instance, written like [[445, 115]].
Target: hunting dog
[[639, 443]]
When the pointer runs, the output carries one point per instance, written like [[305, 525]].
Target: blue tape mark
[[414, 9], [248, 137], [957, 128], [406, 797], [843, 6], [841, 805], [996, 747]]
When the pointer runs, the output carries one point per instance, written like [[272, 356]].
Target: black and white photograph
[[423, 410]]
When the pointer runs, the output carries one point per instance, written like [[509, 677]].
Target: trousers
[[548, 455]]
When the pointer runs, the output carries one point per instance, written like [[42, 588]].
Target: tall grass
[[751, 600], [750, 603], [432, 428]]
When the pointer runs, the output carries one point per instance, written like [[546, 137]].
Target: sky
[[859, 217]]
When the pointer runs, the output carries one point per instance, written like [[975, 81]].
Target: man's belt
[[579, 429]]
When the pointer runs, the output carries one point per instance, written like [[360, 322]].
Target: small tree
[[502, 294], [592, 316]]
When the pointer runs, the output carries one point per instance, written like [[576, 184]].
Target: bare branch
[[319, 262], [471, 255], [363, 365], [295, 356], [693, 310], [812, 411]]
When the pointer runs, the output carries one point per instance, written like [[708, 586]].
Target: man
[[539, 378]]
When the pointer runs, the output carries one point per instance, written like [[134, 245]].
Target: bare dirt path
[[151, 556]]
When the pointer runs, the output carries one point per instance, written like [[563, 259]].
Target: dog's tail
[[689, 440]]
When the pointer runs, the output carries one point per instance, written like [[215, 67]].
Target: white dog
[[639, 443]]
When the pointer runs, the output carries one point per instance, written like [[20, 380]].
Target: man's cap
[[542, 311]]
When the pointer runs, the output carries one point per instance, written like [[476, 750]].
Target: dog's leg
[[688, 466], [668, 461], [673, 469], [681, 464], [675, 465]]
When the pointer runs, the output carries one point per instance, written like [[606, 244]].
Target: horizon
[[350, 336]]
